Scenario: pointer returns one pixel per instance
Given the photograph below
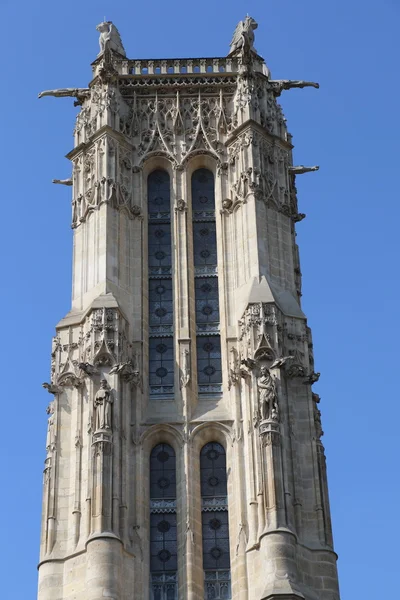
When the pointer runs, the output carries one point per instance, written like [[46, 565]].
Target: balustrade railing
[[180, 66]]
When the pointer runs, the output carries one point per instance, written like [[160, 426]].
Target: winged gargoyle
[[243, 37]]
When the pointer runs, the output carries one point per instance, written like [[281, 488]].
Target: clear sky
[[348, 242]]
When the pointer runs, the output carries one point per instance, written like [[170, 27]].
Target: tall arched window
[[215, 529], [208, 344], [163, 538], [161, 340]]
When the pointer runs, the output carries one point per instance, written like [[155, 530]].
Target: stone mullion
[[179, 209], [181, 295], [193, 529], [221, 275], [187, 569], [192, 334], [189, 554]]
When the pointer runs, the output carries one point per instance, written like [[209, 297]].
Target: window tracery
[[161, 341], [215, 527], [163, 532], [208, 344]]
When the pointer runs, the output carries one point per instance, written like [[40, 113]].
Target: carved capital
[[269, 432]]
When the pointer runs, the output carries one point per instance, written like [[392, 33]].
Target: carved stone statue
[[102, 405], [110, 38], [243, 37], [286, 84], [79, 93], [267, 396], [266, 393], [62, 181], [185, 376], [300, 169]]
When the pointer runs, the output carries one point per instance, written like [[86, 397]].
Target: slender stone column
[[272, 458]]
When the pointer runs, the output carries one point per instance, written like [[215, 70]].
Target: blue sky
[[348, 243]]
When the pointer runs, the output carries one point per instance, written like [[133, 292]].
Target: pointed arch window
[[163, 533], [215, 528], [161, 340], [208, 344]]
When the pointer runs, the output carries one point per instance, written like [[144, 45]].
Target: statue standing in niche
[[102, 405], [268, 406]]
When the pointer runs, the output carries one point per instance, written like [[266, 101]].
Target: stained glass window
[[215, 529], [209, 374], [161, 350], [163, 535]]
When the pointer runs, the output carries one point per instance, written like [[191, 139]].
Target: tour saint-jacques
[[184, 458]]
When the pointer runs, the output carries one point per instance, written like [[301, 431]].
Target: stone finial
[[110, 38], [243, 37]]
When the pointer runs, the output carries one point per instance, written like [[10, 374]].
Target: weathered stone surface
[[180, 115]]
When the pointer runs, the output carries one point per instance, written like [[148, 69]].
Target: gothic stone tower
[[184, 454]]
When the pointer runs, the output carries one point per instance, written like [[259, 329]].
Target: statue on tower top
[[243, 37], [110, 38]]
